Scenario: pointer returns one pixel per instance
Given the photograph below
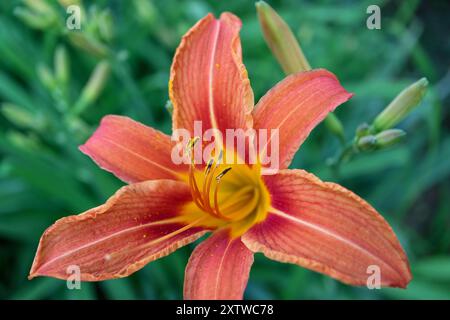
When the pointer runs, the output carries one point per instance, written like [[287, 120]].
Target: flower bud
[[335, 126], [88, 43], [366, 143], [40, 6], [94, 87], [403, 104], [32, 19], [66, 3], [106, 25], [362, 130], [61, 65], [21, 117], [281, 40], [46, 76], [389, 137]]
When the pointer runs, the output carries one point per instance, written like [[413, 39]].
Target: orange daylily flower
[[290, 216]]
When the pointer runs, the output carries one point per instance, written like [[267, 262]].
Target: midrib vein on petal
[[219, 269], [330, 234], [140, 156], [215, 36], [116, 234], [291, 112]]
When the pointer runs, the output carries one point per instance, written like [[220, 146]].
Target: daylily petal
[[139, 224], [208, 80], [218, 268], [325, 227], [295, 106], [132, 151]]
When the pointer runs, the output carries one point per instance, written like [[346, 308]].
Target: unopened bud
[[94, 87], [281, 40], [67, 3], [40, 6], [88, 44], [106, 25], [366, 143], [335, 126], [362, 130], [61, 65], [389, 137], [403, 104], [32, 19], [46, 76], [20, 116]]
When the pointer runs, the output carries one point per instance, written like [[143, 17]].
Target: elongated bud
[[389, 137], [281, 40], [285, 47], [46, 76], [106, 25], [362, 130], [66, 3], [40, 6], [366, 143], [20, 116], [96, 81], [88, 44], [335, 126], [93, 88], [32, 19], [61, 65], [403, 104], [145, 12], [28, 142]]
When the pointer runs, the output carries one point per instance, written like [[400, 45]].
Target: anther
[[224, 172], [219, 158], [209, 165], [193, 141]]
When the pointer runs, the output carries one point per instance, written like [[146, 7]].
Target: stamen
[[224, 172], [207, 188], [195, 192], [219, 158], [208, 167], [192, 143], [216, 202]]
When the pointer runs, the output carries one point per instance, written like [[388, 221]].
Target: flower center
[[227, 195]]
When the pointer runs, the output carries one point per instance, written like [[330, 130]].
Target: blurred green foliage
[[56, 84]]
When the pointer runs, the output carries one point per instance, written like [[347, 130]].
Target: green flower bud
[[40, 6], [46, 76], [335, 126], [93, 88], [61, 63], [106, 25], [20, 116], [362, 130], [28, 142], [32, 19], [389, 137], [366, 143], [88, 44], [401, 106], [66, 3], [281, 40]]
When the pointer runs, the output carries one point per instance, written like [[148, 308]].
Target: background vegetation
[[46, 112]]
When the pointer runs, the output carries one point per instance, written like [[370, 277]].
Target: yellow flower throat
[[226, 195]]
